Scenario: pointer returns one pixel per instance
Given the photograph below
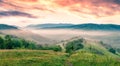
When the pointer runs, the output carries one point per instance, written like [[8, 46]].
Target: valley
[[108, 37], [59, 47]]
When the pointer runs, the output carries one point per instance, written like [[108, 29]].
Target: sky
[[25, 12]]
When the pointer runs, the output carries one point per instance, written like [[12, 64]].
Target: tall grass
[[31, 58], [84, 58], [51, 58]]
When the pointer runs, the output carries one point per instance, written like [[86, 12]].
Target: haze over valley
[[47, 35]]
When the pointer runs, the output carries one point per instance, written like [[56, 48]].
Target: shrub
[[74, 45], [112, 50], [52, 47]]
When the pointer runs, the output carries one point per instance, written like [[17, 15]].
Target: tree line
[[12, 42]]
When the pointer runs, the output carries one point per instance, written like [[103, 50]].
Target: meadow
[[78, 52], [31, 58], [51, 58]]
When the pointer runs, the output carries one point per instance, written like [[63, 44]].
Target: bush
[[112, 50], [52, 47], [74, 45]]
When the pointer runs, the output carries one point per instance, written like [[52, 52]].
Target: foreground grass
[[31, 58], [86, 58], [51, 58]]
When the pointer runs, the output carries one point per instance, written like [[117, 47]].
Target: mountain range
[[87, 26], [48, 25]]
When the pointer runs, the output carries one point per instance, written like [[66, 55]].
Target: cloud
[[29, 0], [15, 13], [26, 5], [1, 0], [98, 8], [117, 1]]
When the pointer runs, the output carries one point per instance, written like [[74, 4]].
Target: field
[[31, 58], [51, 58]]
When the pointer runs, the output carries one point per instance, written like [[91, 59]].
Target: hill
[[4, 26], [96, 27], [88, 45], [88, 26], [28, 35], [85, 52], [49, 25], [92, 53]]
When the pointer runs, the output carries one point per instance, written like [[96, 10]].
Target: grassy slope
[[98, 55], [93, 54], [51, 58], [86, 58]]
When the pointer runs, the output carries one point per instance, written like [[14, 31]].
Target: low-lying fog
[[108, 37]]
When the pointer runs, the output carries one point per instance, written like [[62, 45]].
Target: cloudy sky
[[25, 12]]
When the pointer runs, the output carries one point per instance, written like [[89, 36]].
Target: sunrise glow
[[59, 11]]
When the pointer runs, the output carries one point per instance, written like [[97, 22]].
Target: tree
[[8, 42], [16, 43], [1, 43], [112, 50], [32, 45]]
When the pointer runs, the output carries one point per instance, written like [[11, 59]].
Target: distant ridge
[[5, 26], [87, 26], [48, 25]]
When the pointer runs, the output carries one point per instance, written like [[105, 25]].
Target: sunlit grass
[[31, 58]]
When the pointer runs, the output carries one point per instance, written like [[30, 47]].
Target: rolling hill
[[28, 35], [49, 25], [88, 26], [4, 26], [92, 54]]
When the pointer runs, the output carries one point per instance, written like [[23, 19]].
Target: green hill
[[92, 53], [84, 52]]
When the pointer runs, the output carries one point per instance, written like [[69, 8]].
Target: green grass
[[92, 54], [31, 58], [86, 58], [51, 58]]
